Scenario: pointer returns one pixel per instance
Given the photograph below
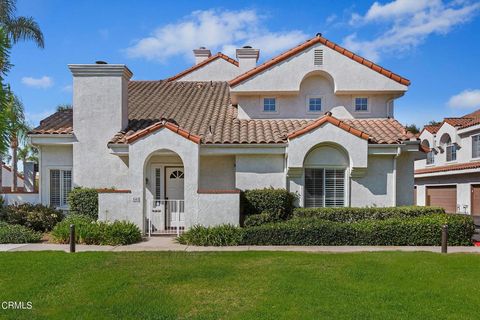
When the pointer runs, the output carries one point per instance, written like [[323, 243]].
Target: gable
[[350, 73], [216, 68]]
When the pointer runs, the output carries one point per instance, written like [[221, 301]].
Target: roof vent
[[203, 48], [101, 62], [318, 57], [318, 34], [247, 47]]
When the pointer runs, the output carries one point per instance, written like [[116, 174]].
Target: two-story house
[[316, 120], [450, 175]]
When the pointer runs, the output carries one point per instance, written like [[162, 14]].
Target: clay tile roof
[[203, 63], [308, 44], [465, 121], [432, 128], [453, 167], [201, 111], [61, 122]]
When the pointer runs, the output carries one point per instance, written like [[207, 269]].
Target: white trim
[[49, 139], [361, 111], [262, 102], [314, 96]]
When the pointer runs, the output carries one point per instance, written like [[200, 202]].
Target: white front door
[[174, 189]]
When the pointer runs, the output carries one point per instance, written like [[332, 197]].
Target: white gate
[[166, 217]]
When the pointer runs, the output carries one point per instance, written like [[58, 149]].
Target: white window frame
[[450, 145], [307, 103], [346, 190], [433, 158], [475, 135], [61, 168], [263, 105], [355, 104]]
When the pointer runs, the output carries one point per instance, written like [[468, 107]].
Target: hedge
[[419, 231], [34, 216], [14, 233], [89, 231], [349, 214], [279, 202], [413, 231], [83, 201]]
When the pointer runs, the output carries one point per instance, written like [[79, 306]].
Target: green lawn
[[242, 285]]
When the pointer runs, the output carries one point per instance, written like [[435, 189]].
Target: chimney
[[201, 54], [247, 58]]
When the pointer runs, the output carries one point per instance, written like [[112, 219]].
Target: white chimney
[[201, 54], [247, 58]]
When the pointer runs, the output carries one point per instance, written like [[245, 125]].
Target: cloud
[[43, 82], [218, 30], [67, 88], [407, 24], [467, 99]]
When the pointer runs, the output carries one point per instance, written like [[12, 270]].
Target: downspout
[[394, 187]]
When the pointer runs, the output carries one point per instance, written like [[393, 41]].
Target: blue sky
[[435, 44]]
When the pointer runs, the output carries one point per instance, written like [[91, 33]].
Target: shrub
[[14, 233], [259, 219], [34, 216], [223, 235], [278, 202], [358, 214], [422, 230], [83, 201], [89, 231]]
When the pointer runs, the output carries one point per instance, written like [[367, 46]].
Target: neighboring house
[[450, 175], [168, 154], [7, 179]]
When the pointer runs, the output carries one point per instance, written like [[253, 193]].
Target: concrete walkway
[[169, 244]]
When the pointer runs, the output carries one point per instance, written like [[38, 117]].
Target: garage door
[[476, 199], [444, 196]]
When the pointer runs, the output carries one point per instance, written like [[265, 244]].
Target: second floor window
[[314, 104], [269, 105], [476, 146], [451, 151], [431, 157], [361, 104]]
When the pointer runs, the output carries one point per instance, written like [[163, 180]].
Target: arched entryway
[[165, 193]]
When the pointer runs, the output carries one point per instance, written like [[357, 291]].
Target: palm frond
[[7, 9], [24, 28]]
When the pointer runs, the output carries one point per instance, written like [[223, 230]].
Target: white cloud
[[67, 88], [408, 23], [218, 30], [43, 82], [467, 99]]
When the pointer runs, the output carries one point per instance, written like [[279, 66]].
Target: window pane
[[315, 104], [324, 187], [66, 186], [269, 105], [430, 157], [476, 146], [55, 188], [314, 193], [157, 184], [361, 104], [451, 153], [334, 188]]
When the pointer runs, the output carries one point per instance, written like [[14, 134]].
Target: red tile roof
[[203, 63], [465, 121], [432, 128], [308, 44], [452, 167], [61, 122], [163, 124], [328, 118]]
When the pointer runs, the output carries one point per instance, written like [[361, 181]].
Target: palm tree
[[27, 153], [19, 28], [16, 131]]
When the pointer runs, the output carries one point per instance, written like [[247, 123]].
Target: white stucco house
[[7, 178], [317, 120], [450, 175]]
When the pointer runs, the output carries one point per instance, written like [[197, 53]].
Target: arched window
[[177, 174]]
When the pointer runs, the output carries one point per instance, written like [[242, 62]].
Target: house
[[168, 154], [7, 179], [450, 175]]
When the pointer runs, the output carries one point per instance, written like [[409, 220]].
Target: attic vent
[[318, 57]]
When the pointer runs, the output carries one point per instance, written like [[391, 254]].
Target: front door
[[174, 190]]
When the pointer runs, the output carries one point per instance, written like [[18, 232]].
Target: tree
[[412, 128], [27, 152], [64, 107], [19, 28], [434, 123], [16, 130]]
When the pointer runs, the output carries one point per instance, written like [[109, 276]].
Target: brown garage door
[[476, 199], [443, 196]]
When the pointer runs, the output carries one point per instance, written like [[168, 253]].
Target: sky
[[435, 44]]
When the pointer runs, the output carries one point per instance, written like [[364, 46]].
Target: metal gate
[[166, 217]]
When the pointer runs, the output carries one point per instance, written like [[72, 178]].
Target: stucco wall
[[113, 206], [7, 178], [260, 171], [295, 106], [18, 198], [405, 179], [375, 187], [217, 70], [53, 157], [217, 209], [217, 172]]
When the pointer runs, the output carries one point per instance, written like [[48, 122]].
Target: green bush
[[348, 214], [277, 202], [14, 233], [259, 219], [418, 231], [83, 201], [89, 231], [223, 235], [34, 216]]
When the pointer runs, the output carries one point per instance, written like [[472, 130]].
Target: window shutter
[[158, 195], [55, 188], [324, 187], [318, 57], [67, 186]]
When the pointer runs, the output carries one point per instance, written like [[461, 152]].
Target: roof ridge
[[319, 39], [203, 63]]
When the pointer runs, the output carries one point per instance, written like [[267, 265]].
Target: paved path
[[169, 244]]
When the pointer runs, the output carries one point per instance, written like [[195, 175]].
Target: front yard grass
[[240, 285]]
